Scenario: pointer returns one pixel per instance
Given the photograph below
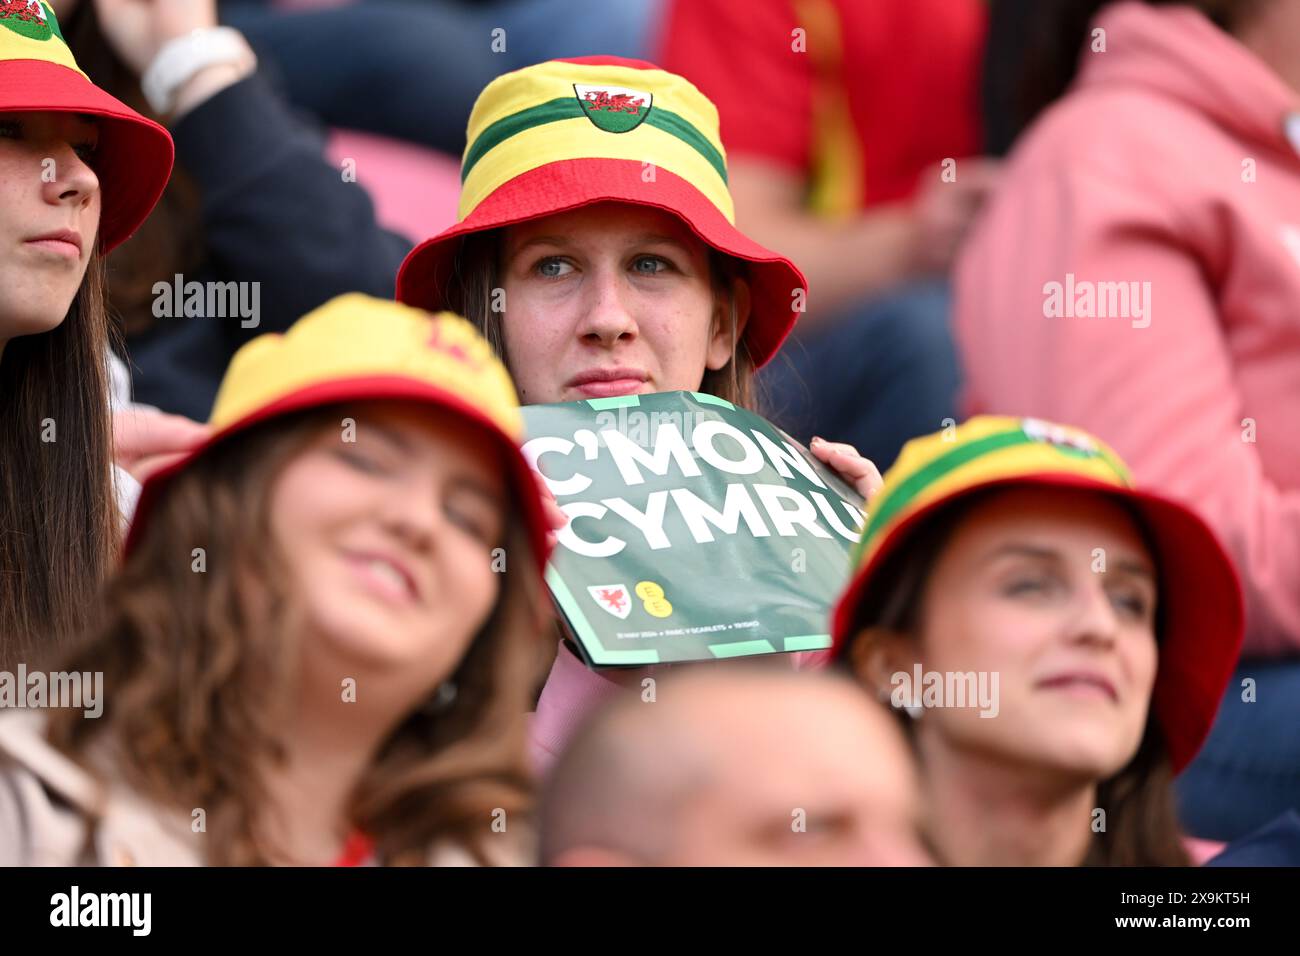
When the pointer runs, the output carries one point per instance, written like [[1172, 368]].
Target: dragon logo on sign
[[614, 598]]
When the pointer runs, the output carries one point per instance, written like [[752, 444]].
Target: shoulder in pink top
[[1138, 275]]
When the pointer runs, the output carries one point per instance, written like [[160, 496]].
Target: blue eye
[[655, 262], [553, 268]]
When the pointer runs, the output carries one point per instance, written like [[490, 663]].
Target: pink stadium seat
[[414, 188]]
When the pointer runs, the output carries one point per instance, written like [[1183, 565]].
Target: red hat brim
[[134, 158], [1204, 614], [364, 388], [558, 187]]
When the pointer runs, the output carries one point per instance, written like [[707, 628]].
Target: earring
[[442, 698]]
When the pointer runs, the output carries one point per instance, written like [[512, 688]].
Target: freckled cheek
[[531, 329], [678, 341], [19, 203]]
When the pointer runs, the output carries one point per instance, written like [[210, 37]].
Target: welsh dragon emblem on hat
[[615, 109], [29, 18]]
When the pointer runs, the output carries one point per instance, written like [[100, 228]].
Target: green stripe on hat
[[566, 107], [907, 491]]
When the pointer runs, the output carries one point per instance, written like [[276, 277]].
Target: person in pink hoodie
[[1138, 275]]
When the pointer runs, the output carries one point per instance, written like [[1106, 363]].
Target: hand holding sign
[[846, 460], [554, 513], [696, 529]]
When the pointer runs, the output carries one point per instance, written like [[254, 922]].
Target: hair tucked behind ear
[[59, 521]]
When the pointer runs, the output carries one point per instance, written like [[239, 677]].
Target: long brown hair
[[58, 515], [1141, 820], [197, 667], [477, 274]]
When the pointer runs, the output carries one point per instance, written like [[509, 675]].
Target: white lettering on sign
[[764, 509]]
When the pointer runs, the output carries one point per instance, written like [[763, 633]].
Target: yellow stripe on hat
[[538, 107], [515, 92], [355, 336], [578, 139], [984, 450], [34, 39]]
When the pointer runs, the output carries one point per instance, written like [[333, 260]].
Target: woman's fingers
[[554, 513], [845, 459], [140, 434], [142, 468]]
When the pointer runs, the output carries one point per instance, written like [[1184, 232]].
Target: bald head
[[735, 764]]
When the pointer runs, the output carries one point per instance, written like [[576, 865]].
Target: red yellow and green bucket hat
[[568, 133], [355, 347], [38, 74], [1203, 620]]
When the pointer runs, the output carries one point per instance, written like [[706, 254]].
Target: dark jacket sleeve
[[276, 212]]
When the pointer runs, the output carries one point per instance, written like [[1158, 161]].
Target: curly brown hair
[[197, 667]]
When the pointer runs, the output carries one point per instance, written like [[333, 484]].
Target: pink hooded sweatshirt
[[1138, 274]]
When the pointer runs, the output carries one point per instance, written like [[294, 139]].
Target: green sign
[[697, 530]]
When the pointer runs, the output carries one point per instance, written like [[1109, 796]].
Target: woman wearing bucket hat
[[325, 631], [79, 172], [597, 251], [1058, 638], [596, 246]]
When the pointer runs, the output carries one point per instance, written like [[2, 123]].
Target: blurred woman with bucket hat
[[324, 637], [1058, 639], [79, 172]]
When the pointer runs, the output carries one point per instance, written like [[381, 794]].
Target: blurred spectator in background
[[740, 766], [1013, 26], [1277, 844], [1139, 274], [838, 117], [252, 200], [412, 69]]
